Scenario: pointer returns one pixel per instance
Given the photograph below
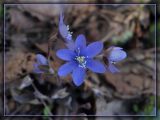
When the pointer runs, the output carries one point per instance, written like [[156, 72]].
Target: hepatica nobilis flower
[[64, 29], [65, 32], [80, 59], [41, 61], [116, 54]]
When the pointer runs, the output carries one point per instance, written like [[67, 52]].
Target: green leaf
[[46, 110], [150, 106], [123, 38], [135, 108]]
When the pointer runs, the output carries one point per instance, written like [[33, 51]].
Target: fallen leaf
[[19, 20], [26, 97], [135, 76], [25, 82], [41, 96], [18, 64], [108, 109], [60, 94], [19, 41], [44, 12]]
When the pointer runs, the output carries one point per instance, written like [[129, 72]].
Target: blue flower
[[80, 59], [65, 33], [41, 60], [116, 54], [64, 29]]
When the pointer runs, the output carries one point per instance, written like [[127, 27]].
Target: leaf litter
[[100, 94]]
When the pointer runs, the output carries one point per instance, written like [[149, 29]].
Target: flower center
[[69, 35], [81, 60]]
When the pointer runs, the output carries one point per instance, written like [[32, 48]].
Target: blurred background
[[31, 28]]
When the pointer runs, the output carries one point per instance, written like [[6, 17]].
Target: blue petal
[[78, 76], [36, 68], [95, 66], [112, 68], [70, 45], [115, 48], [63, 30], [66, 68], [61, 18], [117, 55], [65, 54], [80, 41], [93, 49], [62, 27], [41, 59]]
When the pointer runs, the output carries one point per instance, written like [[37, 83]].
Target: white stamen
[[81, 60], [113, 62]]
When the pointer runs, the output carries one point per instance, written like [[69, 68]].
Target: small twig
[[50, 41], [43, 102], [50, 45], [53, 38]]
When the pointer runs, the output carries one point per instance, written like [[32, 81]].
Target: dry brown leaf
[[18, 64], [19, 20], [136, 76], [81, 13], [115, 107], [18, 41], [43, 12], [129, 84]]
